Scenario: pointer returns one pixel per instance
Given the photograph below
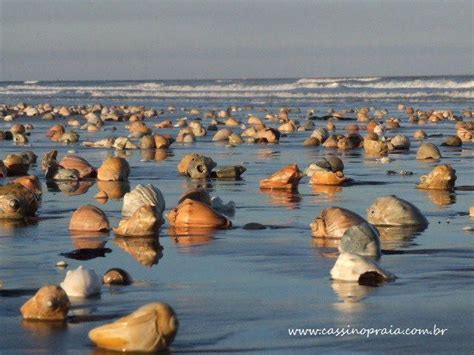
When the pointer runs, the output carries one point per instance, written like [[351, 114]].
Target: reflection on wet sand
[[114, 189], [89, 240], [147, 251], [289, 199], [326, 247], [441, 197], [330, 191], [351, 294], [396, 237], [9, 228], [155, 154], [44, 329], [265, 154], [70, 187], [186, 237]]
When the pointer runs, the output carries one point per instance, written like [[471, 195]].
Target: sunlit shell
[[16, 165], [222, 135], [116, 276], [123, 143], [268, 135], [428, 151], [89, 218], [320, 177], [77, 163], [195, 214], [442, 177], [362, 239], [147, 142], [55, 132], [69, 137], [150, 328], [198, 194], [31, 182], [394, 211], [113, 189], [17, 202], [399, 142], [113, 169], [200, 167], [186, 161], [452, 141], [143, 222], [143, 195], [350, 267], [162, 142], [321, 134], [81, 282], [49, 303], [286, 178], [375, 148], [334, 221]]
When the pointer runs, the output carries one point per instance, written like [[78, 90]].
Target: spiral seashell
[[17, 202], [334, 221], [143, 222], [394, 211], [442, 177], [89, 218], [350, 267], [195, 214], [81, 282], [49, 159], [69, 137], [143, 195], [186, 161], [162, 142], [116, 276], [361, 239], [77, 163], [150, 328], [49, 303], [286, 178], [428, 151], [198, 194], [114, 169]]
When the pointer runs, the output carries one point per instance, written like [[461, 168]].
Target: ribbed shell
[[143, 195], [143, 222], [195, 214], [89, 218], [79, 164]]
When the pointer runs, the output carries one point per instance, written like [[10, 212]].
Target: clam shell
[[442, 177], [113, 169], [49, 303], [361, 239], [350, 267], [89, 218], [77, 163], [143, 195], [286, 178], [116, 276], [334, 221], [195, 214], [150, 328], [394, 211], [143, 222], [428, 151], [81, 282]]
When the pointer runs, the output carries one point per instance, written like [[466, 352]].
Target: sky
[[198, 39]]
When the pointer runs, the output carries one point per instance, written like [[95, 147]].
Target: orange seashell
[[286, 178], [200, 195], [31, 182], [71, 161], [442, 177], [268, 135], [89, 218], [55, 132], [321, 177], [371, 126], [185, 162], [113, 169], [16, 165], [164, 124], [195, 214], [375, 148], [113, 189], [162, 142], [143, 223], [334, 221], [49, 303], [287, 127], [139, 128]]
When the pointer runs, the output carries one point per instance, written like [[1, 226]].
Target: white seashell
[[349, 267], [143, 195], [219, 205], [81, 282]]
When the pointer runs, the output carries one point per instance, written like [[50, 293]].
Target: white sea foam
[[416, 84]]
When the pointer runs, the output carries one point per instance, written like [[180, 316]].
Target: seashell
[[31, 182], [334, 221], [219, 205], [117, 276], [195, 214], [29, 157], [16, 165], [81, 282], [69, 137], [287, 127], [143, 222], [222, 135], [143, 195], [138, 129], [113, 169], [20, 139], [147, 251], [89, 218], [113, 189], [147, 142], [361, 239], [164, 124], [286, 178], [420, 134], [249, 132], [17, 128], [399, 142], [268, 135], [200, 195], [102, 143], [452, 141], [49, 303], [162, 142], [235, 139], [321, 134], [350, 267], [394, 211], [311, 141], [200, 167], [123, 143], [150, 328], [375, 147], [55, 132], [54, 172], [345, 143], [331, 142], [229, 172], [428, 151], [187, 159], [442, 177], [17, 202], [77, 163], [321, 177], [3, 170]]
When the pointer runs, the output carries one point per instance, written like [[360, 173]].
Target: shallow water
[[240, 290]]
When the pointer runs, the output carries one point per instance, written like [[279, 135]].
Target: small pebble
[[254, 226], [61, 264]]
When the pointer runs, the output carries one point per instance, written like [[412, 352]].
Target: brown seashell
[[268, 135], [222, 135], [113, 169], [55, 132], [49, 303], [17, 202], [16, 165], [164, 124], [117, 276], [287, 127], [147, 142], [452, 141], [375, 148], [17, 128], [113, 189], [195, 214], [312, 141], [138, 129], [89, 218], [394, 211], [31, 182], [428, 151], [352, 128], [331, 142], [399, 142], [286, 178], [198, 194], [144, 222], [3, 170], [75, 162], [442, 177], [345, 143], [420, 134], [321, 177], [162, 142], [334, 221], [184, 163], [150, 328]]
